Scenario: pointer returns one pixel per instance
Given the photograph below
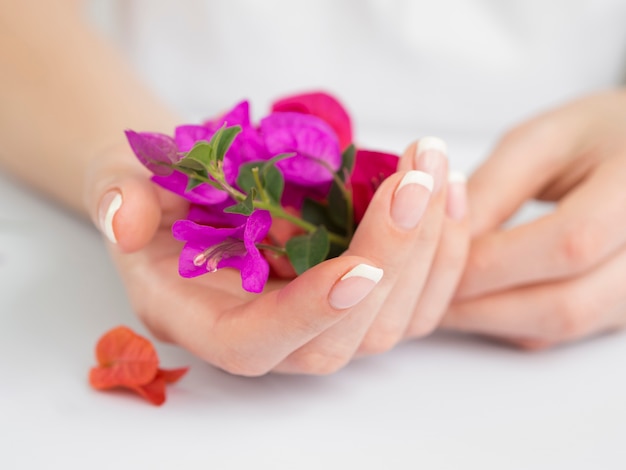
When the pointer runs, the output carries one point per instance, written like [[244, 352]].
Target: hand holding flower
[[392, 282]]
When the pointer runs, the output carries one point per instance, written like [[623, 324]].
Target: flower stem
[[275, 249], [273, 209]]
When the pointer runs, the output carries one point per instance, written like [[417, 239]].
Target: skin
[[561, 277], [67, 96]]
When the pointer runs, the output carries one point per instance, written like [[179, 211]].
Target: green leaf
[[315, 212], [223, 139], [272, 181], [305, 251], [245, 179], [193, 183], [189, 166], [337, 206], [347, 162], [199, 157], [270, 177], [245, 207], [319, 213]]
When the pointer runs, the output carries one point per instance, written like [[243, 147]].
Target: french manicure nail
[[411, 198], [354, 286], [430, 156], [110, 204], [456, 205]]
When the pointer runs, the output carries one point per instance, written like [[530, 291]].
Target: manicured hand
[[563, 276], [394, 281]]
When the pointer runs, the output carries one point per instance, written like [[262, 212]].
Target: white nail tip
[[457, 177], [432, 143], [417, 177], [366, 271], [116, 203]]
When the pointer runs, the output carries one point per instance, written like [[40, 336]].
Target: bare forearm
[[66, 96]]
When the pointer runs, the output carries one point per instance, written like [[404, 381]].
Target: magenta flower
[[311, 139], [248, 146], [324, 106], [208, 249], [156, 151], [370, 169], [176, 182], [215, 216]]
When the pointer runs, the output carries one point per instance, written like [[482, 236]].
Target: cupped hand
[[393, 282], [562, 276]]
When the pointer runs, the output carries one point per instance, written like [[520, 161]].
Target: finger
[[390, 324], [448, 264], [122, 201], [388, 238], [584, 230], [386, 245], [520, 166], [552, 313], [250, 339]]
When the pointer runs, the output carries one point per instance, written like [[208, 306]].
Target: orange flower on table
[[128, 360]]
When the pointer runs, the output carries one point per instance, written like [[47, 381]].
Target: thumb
[[122, 201]]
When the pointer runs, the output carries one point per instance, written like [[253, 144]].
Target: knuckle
[[480, 261], [581, 246], [571, 318], [452, 253]]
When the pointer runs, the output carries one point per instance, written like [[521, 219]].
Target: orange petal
[[171, 375], [154, 391], [125, 359]]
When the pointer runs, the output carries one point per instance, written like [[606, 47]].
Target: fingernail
[[456, 205], [109, 205], [411, 198], [430, 157], [354, 286]]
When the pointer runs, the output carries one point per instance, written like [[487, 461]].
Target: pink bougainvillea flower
[[248, 145], [187, 135], [324, 106], [156, 151], [311, 139], [128, 360], [215, 216], [208, 249], [176, 182], [370, 169]]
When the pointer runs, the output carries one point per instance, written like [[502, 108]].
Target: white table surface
[[445, 402]]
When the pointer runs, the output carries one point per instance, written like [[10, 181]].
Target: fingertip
[[129, 213], [456, 202], [333, 286], [406, 162]]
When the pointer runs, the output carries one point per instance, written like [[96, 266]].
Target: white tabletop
[[446, 402]]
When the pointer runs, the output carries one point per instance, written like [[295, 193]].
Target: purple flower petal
[[324, 106], [176, 182], [186, 136], [310, 138], [208, 248], [215, 216], [156, 151], [238, 115]]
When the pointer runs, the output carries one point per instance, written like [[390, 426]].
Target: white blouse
[[414, 67]]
